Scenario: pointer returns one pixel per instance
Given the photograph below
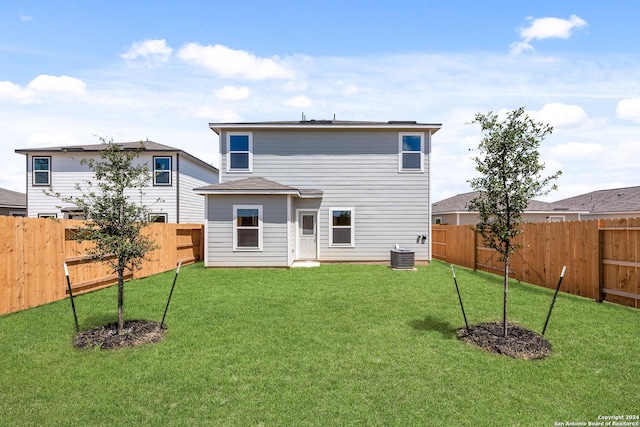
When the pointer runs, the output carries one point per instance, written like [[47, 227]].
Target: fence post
[[600, 260], [475, 248]]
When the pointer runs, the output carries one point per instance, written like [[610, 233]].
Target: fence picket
[[33, 251], [602, 256]]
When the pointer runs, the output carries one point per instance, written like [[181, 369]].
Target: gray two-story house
[[318, 190], [169, 195]]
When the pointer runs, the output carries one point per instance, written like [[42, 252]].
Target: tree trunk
[[120, 300], [506, 293]]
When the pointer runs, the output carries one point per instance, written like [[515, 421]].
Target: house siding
[[356, 169], [219, 230], [192, 175], [66, 172]]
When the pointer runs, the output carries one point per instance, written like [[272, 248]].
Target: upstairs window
[[162, 171], [341, 227], [411, 149], [239, 152], [247, 228], [42, 171]]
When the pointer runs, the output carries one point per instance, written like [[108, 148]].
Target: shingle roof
[[147, 145], [12, 199], [460, 202], [328, 124], [625, 199], [255, 185]]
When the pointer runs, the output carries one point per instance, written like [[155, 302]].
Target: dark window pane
[[342, 218], [239, 143], [411, 161], [41, 164], [162, 178], [239, 160], [308, 228], [41, 178], [410, 143], [247, 217], [162, 164], [342, 235], [247, 238]]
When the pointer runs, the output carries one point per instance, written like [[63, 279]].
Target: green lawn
[[330, 346]]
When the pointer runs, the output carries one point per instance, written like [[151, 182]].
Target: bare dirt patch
[[520, 343], [135, 332]]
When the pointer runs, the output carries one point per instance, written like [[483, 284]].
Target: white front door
[[307, 235]]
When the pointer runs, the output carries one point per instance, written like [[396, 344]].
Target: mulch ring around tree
[[135, 332], [520, 343]]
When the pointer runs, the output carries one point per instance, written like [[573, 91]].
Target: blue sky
[[74, 70]]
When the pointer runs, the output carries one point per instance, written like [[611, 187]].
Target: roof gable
[[625, 199]]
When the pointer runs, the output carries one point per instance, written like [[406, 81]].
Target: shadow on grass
[[98, 319], [433, 324]]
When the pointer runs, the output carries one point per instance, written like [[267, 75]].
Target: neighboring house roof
[[327, 124], [12, 199], [149, 146], [459, 203], [617, 200], [255, 185]]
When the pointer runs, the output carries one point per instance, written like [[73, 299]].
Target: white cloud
[[299, 101], [350, 90], [629, 109], [232, 63], [545, 28], [62, 84], [153, 50], [13, 92], [25, 18], [233, 93], [212, 114], [562, 116], [50, 140], [579, 151]]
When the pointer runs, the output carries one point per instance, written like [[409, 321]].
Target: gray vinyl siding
[[66, 172], [219, 228], [356, 169], [193, 175]]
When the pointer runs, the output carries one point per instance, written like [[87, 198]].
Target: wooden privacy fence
[[602, 256], [33, 252]]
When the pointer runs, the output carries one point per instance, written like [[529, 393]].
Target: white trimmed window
[[158, 217], [41, 170], [411, 152], [247, 227], [162, 171], [341, 227], [239, 152]]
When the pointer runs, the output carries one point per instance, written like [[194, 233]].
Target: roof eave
[[432, 127]]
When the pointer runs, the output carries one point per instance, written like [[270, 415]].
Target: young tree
[[114, 221], [510, 177]]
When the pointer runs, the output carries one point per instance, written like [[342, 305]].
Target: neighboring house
[[12, 203], [325, 190], [453, 211], [174, 176], [614, 203]]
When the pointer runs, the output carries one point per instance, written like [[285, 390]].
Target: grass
[[335, 345]]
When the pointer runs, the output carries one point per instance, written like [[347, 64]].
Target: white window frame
[[235, 228], [155, 172], [401, 152], [556, 218], [47, 171], [47, 215], [153, 216], [352, 226], [249, 152]]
